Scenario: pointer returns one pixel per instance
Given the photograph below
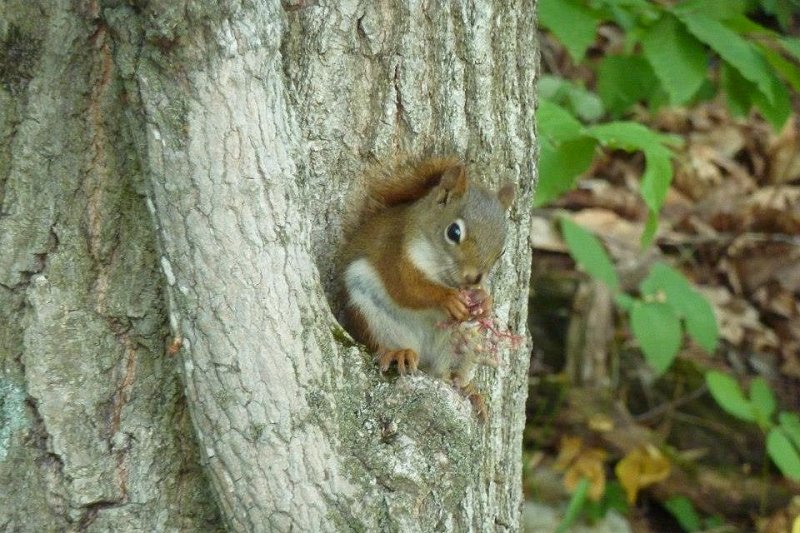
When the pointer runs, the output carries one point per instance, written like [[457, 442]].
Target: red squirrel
[[425, 234]]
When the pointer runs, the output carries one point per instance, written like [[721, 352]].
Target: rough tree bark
[[172, 179]]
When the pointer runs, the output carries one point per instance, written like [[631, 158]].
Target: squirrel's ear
[[453, 182], [506, 195]]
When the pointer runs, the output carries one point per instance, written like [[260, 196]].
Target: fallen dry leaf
[[642, 467], [580, 462]]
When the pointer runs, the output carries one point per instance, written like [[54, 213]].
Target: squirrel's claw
[[402, 357], [476, 399]]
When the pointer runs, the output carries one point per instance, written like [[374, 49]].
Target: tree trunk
[[172, 178]]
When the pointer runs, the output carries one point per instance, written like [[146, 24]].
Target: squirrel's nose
[[472, 278]]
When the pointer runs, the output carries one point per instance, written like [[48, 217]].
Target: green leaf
[[585, 104], [556, 124], [777, 110], [657, 176], [572, 22], [663, 277], [718, 9], [791, 45], [559, 167], [678, 59], [763, 400], [728, 395], [783, 453], [782, 66], [632, 136], [575, 505], [731, 47], [738, 91], [682, 509], [589, 253], [701, 322], [623, 81], [650, 227], [790, 424], [624, 301], [658, 330]]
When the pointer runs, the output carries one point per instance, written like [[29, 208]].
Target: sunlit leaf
[[586, 249], [729, 396], [783, 454], [561, 165], [678, 59], [572, 22], [658, 330], [733, 48], [762, 399], [642, 467], [682, 509]]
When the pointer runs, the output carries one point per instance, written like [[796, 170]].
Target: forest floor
[[731, 225]]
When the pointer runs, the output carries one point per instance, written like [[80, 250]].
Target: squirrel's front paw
[[403, 358], [456, 307], [479, 302]]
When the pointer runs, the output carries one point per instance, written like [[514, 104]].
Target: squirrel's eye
[[455, 232]]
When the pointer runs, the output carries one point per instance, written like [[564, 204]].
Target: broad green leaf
[[763, 400], [728, 395], [585, 104], [718, 9], [791, 45], [663, 277], [734, 49], [556, 124], [589, 253], [777, 110], [783, 453], [738, 91], [560, 166], [701, 322], [782, 66], [682, 509], [624, 301], [658, 330], [623, 81], [632, 136], [572, 22], [657, 176], [678, 59], [790, 424]]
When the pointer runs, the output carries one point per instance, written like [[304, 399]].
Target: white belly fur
[[394, 327]]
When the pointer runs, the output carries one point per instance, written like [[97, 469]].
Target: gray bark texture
[[173, 177]]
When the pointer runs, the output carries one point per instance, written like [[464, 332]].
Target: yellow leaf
[[579, 462], [601, 422], [796, 525], [569, 449], [642, 467]]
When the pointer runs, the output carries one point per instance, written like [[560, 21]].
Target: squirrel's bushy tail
[[403, 181]]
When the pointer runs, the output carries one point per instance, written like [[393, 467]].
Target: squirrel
[[424, 240]]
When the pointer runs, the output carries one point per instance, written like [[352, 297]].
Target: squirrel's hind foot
[[476, 399], [403, 358]]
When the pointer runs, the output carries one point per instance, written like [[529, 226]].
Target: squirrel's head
[[461, 229]]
